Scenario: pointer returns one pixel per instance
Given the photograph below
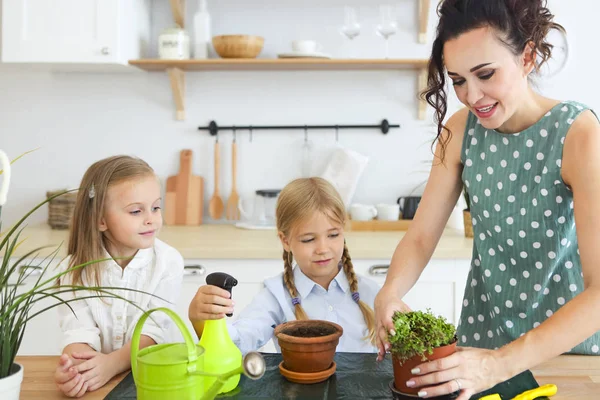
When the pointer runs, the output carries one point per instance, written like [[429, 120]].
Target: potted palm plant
[[16, 307], [418, 336]]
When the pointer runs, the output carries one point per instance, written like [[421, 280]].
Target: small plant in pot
[[419, 336], [307, 349]]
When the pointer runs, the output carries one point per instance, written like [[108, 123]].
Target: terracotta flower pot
[[402, 372], [308, 346]]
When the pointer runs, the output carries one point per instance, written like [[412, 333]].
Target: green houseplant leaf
[[418, 333]]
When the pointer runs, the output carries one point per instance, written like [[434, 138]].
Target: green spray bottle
[[221, 355]]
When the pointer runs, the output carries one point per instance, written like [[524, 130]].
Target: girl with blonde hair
[[322, 284], [116, 219]]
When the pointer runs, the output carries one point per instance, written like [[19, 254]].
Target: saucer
[[298, 54], [307, 377]]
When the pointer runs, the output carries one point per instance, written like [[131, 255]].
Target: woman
[[531, 167]]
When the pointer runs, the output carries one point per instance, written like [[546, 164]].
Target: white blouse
[[107, 324]]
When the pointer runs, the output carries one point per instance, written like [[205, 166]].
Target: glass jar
[[174, 44]]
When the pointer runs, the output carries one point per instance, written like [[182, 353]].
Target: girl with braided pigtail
[[318, 279]]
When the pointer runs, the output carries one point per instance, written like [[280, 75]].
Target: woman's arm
[[439, 198], [416, 247]]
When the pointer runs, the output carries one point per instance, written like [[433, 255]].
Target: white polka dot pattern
[[526, 261]]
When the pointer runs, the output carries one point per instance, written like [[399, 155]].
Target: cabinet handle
[[105, 51], [31, 270], [194, 270], [380, 269]]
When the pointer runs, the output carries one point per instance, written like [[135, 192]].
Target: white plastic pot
[[10, 387]]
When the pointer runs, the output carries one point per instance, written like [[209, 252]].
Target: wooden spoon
[[233, 213], [216, 206]]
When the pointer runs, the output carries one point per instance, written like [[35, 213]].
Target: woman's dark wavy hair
[[517, 22]]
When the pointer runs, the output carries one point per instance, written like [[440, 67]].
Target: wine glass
[[387, 25], [351, 27]]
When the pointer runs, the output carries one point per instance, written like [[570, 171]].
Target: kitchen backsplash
[[78, 118]]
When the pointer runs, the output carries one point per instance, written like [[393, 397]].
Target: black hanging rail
[[213, 128]]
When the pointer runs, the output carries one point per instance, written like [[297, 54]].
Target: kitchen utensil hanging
[[233, 213], [213, 129], [216, 205]]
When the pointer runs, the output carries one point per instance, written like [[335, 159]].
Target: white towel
[[344, 171]]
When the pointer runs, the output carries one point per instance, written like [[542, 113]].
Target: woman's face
[[487, 77]]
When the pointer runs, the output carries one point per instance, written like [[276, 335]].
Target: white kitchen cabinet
[[74, 31]]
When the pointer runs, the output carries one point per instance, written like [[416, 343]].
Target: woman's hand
[[469, 370], [386, 303], [210, 302], [97, 369], [67, 379]]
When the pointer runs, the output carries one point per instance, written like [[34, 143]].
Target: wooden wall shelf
[[176, 70], [279, 64]]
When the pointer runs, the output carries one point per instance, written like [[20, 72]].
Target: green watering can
[[176, 370]]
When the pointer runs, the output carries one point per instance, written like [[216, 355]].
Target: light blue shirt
[[273, 306]]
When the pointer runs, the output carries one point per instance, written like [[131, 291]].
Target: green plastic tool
[[178, 370]]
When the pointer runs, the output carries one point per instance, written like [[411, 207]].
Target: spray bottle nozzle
[[222, 280]]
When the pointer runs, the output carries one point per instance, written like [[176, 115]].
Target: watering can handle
[[137, 333]]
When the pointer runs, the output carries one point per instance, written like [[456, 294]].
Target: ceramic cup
[[305, 46], [362, 212], [388, 212]]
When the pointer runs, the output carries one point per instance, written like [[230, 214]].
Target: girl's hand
[[67, 379], [97, 369], [386, 303], [469, 370], [210, 302]]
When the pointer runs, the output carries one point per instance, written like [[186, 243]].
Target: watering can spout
[[253, 366]]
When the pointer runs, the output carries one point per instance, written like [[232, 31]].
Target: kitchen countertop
[[577, 378], [228, 242]]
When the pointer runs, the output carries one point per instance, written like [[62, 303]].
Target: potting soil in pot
[[310, 331]]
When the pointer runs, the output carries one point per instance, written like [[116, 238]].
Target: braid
[[288, 279], [367, 311]]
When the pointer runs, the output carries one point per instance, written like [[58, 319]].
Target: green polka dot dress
[[526, 262]]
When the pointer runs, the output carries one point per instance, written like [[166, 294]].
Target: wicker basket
[[60, 209], [468, 223]]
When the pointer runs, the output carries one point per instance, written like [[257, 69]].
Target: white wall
[[76, 119]]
